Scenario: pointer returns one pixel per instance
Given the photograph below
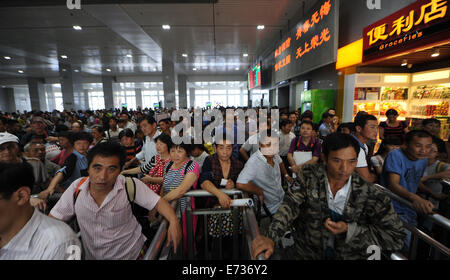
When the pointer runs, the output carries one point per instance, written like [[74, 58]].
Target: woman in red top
[[154, 169], [66, 142]]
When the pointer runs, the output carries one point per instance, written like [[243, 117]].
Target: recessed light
[[166, 27], [108, 70], [436, 53], [77, 27], [260, 27], [245, 55], [64, 56], [155, 69], [129, 55], [76, 70], [64, 70], [20, 71], [237, 68], [184, 55], [195, 69], [7, 57]]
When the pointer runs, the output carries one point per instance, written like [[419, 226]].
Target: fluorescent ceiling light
[[184, 55], [20, 71], [76, 70], [195, 69], [245, 55], [166, 27], [260, 27], [64, 56], [396, 79], [7, 57], [431, 76], [77, 27], [129, 55], [237, 68], [108, 70]]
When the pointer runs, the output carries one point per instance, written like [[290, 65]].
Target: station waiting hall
[[224, 130]]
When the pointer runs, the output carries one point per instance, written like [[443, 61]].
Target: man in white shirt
[[286, 137], [25, 233], [366, 129], [128, 123], [148, 127], [251, 146], [262, 176]]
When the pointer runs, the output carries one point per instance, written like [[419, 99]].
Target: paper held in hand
[[302, 157]]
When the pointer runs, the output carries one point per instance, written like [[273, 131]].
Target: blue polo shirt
[[410, 174]]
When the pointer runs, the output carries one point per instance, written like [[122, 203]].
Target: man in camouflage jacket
[[368, 216]]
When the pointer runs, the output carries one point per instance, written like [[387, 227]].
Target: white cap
[[6, 137]]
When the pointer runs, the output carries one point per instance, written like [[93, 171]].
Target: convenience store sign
[[404, 30], [311, 44]]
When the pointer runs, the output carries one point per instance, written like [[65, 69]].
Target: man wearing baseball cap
[[9, 148], [10, 153]]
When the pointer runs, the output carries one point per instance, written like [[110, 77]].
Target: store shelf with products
[[377, 100], [413, 96], [432, 101]]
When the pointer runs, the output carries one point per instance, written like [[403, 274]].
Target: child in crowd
[[388, 144], [126, 138], [199, 154]]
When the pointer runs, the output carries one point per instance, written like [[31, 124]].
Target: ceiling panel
[[267, 12], [174, 15], [191, 40], [44, 17], [213, 35]]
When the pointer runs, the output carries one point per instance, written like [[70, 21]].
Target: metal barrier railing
[[416, 233], [253, 231], [250, 227], [158, 240], [436, 218], [398, 257]]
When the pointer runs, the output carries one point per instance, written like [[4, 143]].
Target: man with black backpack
[[104, 204]]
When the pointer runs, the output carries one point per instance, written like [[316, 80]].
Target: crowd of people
[[111, 174]]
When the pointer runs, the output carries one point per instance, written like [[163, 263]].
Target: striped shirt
[[42, 238], [174, 177], [111, 230], [130, 152], [397, 132], [146, 167]]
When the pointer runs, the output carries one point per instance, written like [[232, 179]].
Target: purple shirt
[[314, 146]]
